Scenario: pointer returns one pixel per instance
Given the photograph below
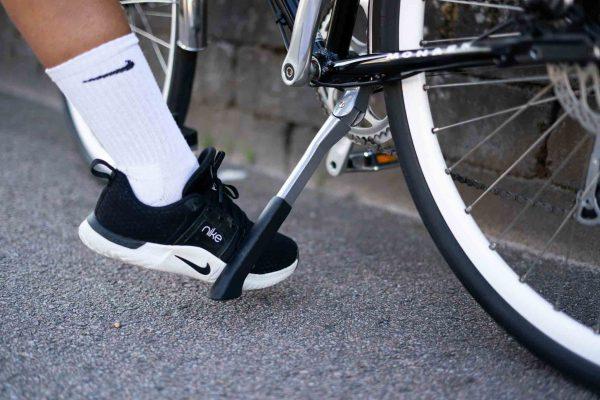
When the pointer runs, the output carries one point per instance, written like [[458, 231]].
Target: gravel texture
[[372, 312]]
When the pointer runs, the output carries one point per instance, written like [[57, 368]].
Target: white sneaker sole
[[164, 258]]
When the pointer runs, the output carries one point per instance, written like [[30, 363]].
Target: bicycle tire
[[385, 37]]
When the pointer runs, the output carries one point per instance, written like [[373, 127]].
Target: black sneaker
[[195, 236]]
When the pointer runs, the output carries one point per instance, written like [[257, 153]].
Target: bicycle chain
[[503, 193], [508, 195]]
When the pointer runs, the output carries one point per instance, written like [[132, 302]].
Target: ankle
[[158, 185]]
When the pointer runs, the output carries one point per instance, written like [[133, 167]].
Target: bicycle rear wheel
[[155, 24], [548, 300]]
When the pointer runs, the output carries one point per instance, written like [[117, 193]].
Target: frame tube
[[192, 26], [341, 27]]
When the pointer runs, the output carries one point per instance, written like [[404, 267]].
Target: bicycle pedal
[[369, 161], [342, 159], [190, 135]]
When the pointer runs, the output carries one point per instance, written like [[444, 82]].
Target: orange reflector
[[386, 158]]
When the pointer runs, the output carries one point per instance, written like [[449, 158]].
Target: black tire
[[385, 14], [178, 100]]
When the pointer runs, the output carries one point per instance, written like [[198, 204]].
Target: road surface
[[372, 312]]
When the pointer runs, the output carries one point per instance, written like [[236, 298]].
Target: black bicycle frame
[[333, 67], [337, 70], [343, 18]]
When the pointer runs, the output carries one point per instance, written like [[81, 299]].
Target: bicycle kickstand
[[349, 111]]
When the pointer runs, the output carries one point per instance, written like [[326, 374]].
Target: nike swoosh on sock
[[128, 65]]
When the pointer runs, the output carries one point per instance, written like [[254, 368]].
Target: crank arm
[[296, 69], [349, 110]]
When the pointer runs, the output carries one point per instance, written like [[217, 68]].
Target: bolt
[[289, 72], [533, 54]]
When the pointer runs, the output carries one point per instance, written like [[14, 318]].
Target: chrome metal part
[[350, 109], [192, 25], [337, 157], [296, 69], [374, 132], [588, 211]]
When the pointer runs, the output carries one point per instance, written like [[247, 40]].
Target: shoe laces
[[227, 193], [221, 188]]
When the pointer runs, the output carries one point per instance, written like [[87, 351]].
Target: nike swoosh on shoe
[[199, 269]]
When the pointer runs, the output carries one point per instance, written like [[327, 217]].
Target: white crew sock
[[115, 92]]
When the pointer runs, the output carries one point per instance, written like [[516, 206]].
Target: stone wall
[[240, 104]]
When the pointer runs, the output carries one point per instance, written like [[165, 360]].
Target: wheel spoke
[[518, 160], [515, 233], [127, 2], [566, 263], [540, 78], [539, 192], [520, 111], [149, 36], [467, 38], [148, 27], [491, 115], [592, 185], [484, 69], [158, 14], [481, 4]]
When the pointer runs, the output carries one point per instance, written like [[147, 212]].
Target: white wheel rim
[[87, 137], [557, 325]]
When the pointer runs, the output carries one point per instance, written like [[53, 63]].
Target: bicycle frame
[[326, 64], [192, 24], [309, 60]]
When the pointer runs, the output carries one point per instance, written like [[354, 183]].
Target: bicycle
[[537, 286]]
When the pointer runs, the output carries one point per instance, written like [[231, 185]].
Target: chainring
[[373, 132]]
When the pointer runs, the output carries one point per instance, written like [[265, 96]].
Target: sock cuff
[[92, 57], [157, 185], [185, 167]]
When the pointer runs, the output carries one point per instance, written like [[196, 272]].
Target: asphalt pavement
[[372, 311]]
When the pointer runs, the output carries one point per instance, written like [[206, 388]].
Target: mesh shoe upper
[[206, 216]]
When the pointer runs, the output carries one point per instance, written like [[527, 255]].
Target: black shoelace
[[226, 194], [222, 189]]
